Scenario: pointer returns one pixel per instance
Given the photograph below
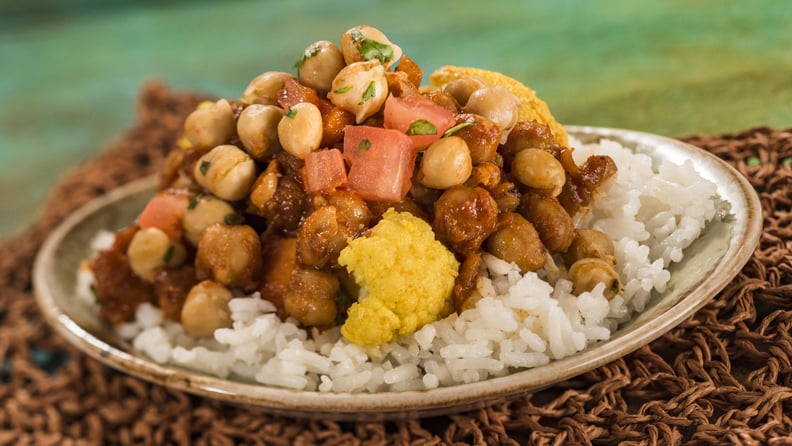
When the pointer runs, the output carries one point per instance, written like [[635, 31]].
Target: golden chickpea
[[538, 169], [517, 241], [257, 128], [461, 89], [206, 309], [445, 163], [210, 125], [264, 88], [310, 297], [204, 211], [551, 220], [320, 64], [360, 88], [230, 255], [590, 243], [497, 104], [152, 249], [265, 186], [226, 171], [364, 42], [587, 273], [300, 129]]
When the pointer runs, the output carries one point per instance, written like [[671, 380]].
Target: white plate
[[710, 263]]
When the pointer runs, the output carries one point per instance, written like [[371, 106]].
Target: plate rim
[[443, 400]]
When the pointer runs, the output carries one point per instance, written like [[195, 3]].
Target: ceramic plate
[[710, 263]]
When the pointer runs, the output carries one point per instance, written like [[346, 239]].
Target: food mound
[[349, 229], [265, 193]]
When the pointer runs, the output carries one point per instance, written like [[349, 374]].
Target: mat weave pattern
[[722, 377]]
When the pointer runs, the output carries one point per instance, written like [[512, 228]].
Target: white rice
[[652, 213]]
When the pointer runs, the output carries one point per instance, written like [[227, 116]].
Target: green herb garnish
[[342, 90], [786, 162], [364, 145], [94, 292], [194, 201], [233, 219], [456, 128], [204, 167], [422, 127], [754, 161], [168, 254], [309, 53], [291, 113], [371, 49], [371, 90]]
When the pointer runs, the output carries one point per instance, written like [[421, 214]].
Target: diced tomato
[[381, 162], [165, 211], [401, 113], [324, 170]]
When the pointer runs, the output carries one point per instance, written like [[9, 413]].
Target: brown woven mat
[[722, 377]]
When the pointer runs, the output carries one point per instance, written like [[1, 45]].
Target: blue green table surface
[[71, 70]]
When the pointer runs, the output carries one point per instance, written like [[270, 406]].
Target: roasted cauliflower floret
[[406, 277]]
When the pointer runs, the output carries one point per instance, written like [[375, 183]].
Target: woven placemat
[[722, 377]]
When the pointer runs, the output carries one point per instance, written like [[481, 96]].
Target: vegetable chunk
[[406, 276]]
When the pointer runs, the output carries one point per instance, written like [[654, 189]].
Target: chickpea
[[360, 88], [464, 217], [590, 243], [357, 214], [210, 125], [206, 309], [264, 89], [551, 220], [363, 43], [230, 255], [265, 186], [204, 211], [496, 104], [321, 63], [321, 237], [517, 241], [538, 169], [587, 273], [226, 171], [152, 249], [445, 163], [300, 129], [257, 128], [310, 297], [462, 88]]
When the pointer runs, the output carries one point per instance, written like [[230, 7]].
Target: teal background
[[70, 70]]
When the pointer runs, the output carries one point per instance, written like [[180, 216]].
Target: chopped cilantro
[[204, 166], [233, 219], [94, 292], [364, 145], [456, 128], [307, 54], [371, 90], [371, 49], [291, 113], [422, 127], [786, 162], [342, 90], [168, 254], [194, 201], [754, 161]]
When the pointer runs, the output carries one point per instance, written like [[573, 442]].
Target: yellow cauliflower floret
[[406, 278]]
